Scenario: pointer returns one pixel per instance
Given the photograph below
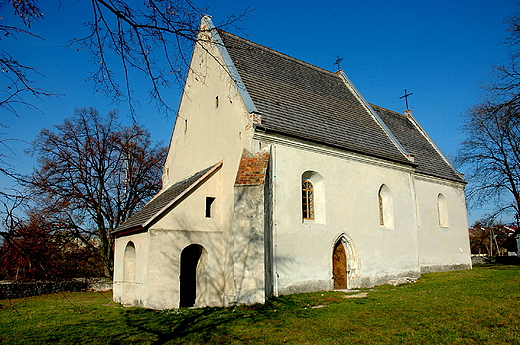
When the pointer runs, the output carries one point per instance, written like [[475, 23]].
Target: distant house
[[280, 179]]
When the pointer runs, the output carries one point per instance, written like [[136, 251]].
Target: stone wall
[[20, 290]]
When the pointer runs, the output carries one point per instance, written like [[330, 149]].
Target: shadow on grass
[[214, 325], [200, 325]]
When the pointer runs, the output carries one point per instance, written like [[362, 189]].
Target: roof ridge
[[279, 53], [386, 109]]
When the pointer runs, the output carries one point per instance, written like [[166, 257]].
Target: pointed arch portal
[[339, 266], [344, 262]]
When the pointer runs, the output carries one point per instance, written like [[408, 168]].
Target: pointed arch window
[[386, 207], [381, 210], [442, 211], [307, 200]]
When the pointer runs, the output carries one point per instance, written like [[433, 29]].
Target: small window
[[381, 210], [209, 203], [308, 200], [386, 207], [442, 211]]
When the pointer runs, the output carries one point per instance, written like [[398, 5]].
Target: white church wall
[[190, 213], [303, 249], [131, 291], [249, 258], [165, 268], [444, 244], [213, 123]]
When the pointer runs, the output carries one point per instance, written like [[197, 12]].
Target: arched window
[[381, 209], [307, 200], [442, 211], [386, 207], [313, 197]]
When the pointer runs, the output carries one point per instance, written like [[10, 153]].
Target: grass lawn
[[481, 306]]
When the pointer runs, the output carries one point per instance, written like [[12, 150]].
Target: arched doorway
[[339, 266], [129, 274], [192, 277], [344, 262]]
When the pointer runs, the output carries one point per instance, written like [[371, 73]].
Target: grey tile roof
[[163, 201], [301, 100], [304, 101], [429, 160]]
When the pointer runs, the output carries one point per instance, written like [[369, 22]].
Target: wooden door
[[339, 266]]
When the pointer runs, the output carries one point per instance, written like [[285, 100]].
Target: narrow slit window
[[307, 200], [381, 210], [209, 203]]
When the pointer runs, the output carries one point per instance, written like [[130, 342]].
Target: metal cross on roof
[[338, 62], [406, 95]]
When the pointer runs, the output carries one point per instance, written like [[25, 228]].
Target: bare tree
[[93, 174], [36, 248], [16, 80], [492, 153], [149, 42], [506, 87]]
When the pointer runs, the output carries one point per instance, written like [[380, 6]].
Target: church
[[281, 178]]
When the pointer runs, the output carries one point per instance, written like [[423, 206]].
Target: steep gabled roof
[[164, 201], [429, 159], [304, 101], [301, 100]]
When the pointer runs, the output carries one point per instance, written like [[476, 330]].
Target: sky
[[441, 51]]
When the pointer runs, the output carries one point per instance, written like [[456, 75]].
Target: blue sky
[[441, 51]]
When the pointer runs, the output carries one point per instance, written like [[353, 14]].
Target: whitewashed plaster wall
[[442, 248], [164, 267], [303, 249], [248, 243], [140, 285], [212, 125]]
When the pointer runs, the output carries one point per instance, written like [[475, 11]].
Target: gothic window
[[381, 210], [307, 200], [442, 211], [385, 207]]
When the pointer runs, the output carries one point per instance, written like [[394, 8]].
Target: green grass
[[481, 306]]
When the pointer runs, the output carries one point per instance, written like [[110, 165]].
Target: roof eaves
[[186, 191], [263, 129], [143, 225]]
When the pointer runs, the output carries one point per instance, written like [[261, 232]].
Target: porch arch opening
[[192, 277]]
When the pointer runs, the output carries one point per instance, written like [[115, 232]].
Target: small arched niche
[[129, 274], [313, 197], [442, 211], [386, 207]]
